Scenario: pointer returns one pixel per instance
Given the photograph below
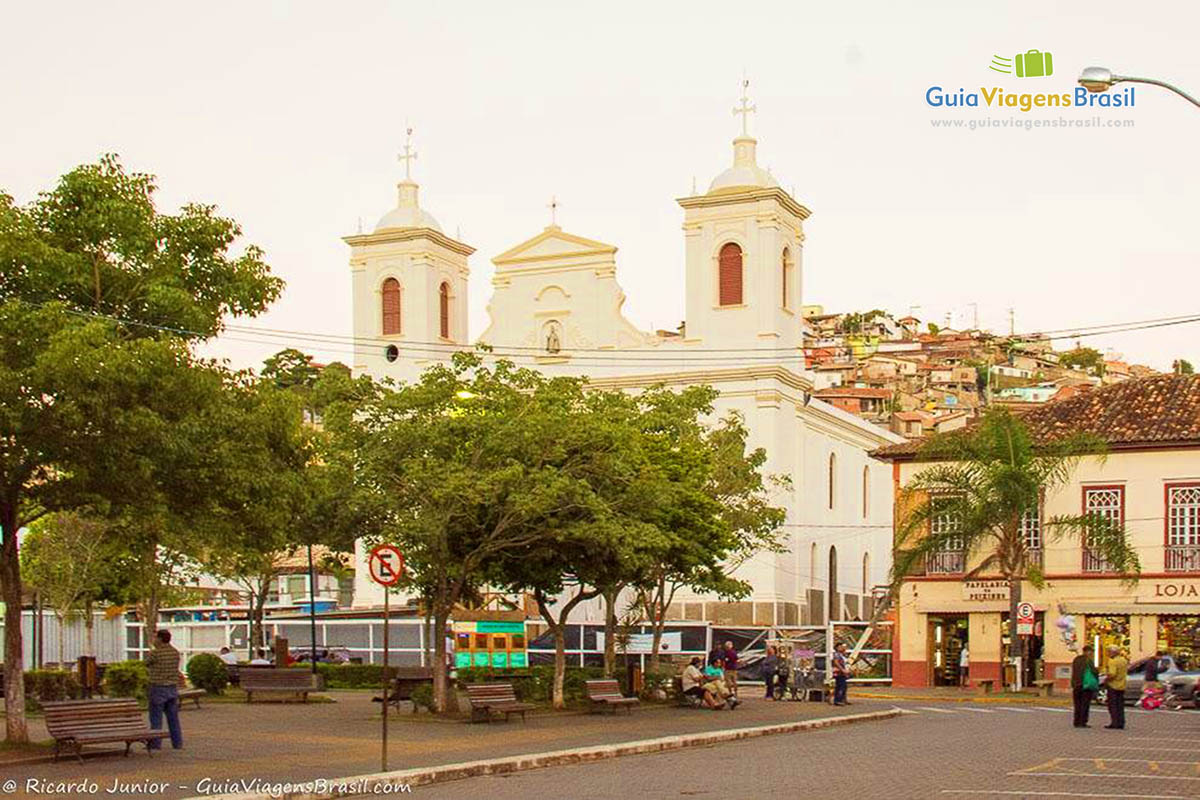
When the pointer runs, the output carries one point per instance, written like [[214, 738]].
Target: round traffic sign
[[386, 564], [1025, 611]]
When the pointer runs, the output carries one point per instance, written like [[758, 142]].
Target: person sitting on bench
[[693, 681], [714, 677]]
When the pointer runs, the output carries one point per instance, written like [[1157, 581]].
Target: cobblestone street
[[959, 750]]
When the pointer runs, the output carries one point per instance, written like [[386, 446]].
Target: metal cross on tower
[[553, 206], [409, 155], [745, 109]]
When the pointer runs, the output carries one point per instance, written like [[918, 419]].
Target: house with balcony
[[1148, 482]]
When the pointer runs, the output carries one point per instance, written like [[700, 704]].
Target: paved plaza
[[278, 742]]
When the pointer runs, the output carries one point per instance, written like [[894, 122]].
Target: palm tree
[[972, 501]]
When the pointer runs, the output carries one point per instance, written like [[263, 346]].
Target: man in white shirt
[[227, 657], [964, 666], [693, 684]]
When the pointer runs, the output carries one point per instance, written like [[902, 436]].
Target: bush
[[207, 672], [351, 676], [536, 684], [422, 696], [50, 685], [126, 679]]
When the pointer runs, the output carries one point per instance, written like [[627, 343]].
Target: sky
[[289, 117]]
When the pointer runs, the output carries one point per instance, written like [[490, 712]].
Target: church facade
[[557, 303]]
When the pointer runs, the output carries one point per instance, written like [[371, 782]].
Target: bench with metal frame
[[607, 694], [495, 698], [299, 682], [74, 723]]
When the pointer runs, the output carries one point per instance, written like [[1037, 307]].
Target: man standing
[[1115, 672], [730, 657], [1083, 685], [163, 667], [841, 675], [964, 667]]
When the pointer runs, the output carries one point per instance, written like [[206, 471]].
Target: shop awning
[[1134, 609], [970, 606]]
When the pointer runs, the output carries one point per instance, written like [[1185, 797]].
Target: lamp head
[[1096, 79]]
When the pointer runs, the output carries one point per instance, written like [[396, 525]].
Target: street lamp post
[[1101, 79]]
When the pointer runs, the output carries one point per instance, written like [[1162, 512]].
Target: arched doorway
[[835, 611]]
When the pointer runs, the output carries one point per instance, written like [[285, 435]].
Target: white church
[[557, 298]]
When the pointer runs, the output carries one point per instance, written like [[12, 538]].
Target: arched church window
[[785, 271], [729, 280], [391, 306], [553, 337], [444, 301], [866, 491], [812, 564], [832, 477]]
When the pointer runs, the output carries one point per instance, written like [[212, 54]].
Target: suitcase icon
[[1034, 64]]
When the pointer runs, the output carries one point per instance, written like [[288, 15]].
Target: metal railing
[[945, 562], [1095, 562], [1182, 558]]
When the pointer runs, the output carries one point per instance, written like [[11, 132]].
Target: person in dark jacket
[[1084, 682], [770, 669]]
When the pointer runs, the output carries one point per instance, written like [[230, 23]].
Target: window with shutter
[[444, 299], [730, 275], [391, 307]]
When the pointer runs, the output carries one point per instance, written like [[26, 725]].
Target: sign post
[[387, 567], [1025, 619]]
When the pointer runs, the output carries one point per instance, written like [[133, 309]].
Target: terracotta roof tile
[[853, 391], [1159, 410]]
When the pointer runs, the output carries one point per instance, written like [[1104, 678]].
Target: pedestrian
[[964, 666], [162, 665], [1153, 667], [841, 675], [1084, 683], [716, 656], [770, 668], [1115, 673], [730, 656]]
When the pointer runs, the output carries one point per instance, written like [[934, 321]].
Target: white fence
[[109, 638]]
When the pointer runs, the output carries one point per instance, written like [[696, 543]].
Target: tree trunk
[[62, 638], [150, 623], [610, 631], [258, 640], [558, 628], [440, 678], [657, 613], [89, 627], [1014, 599], [16, 730]]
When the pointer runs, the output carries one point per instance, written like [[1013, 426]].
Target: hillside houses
[[918, 379]]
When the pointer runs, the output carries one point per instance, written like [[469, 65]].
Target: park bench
[[986, 685], [280, 681], [607, 694], [681, 699], [404, 681], [186, 693], [74, 723], [495, 698], [1045, 687]]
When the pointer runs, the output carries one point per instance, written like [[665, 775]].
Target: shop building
[[1149, 481]]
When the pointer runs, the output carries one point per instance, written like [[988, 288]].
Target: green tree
[[100, 294], [466, 466], [714, 512], [1087, 359], [1181, 366], [66, 558], [979, 485]]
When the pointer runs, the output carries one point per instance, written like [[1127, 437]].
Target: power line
[[348, 345]]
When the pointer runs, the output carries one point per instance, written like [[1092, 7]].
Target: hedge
[[49, 685], [208, 672], [536, 684]]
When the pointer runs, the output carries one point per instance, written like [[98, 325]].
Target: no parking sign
[[1025, 619]]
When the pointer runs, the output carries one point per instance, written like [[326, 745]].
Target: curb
[[1057, 700], [376, 783]]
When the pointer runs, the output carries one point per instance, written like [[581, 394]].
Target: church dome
[[407, 218], [745, 174], [408, 212]]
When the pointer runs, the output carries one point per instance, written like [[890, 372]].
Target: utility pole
[[974, 316], [1012, 322], [312, 611]]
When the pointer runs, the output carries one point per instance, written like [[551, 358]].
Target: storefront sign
[[985, 590], [1173, 592]]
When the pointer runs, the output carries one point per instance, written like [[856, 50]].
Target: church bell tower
[[744, 240]]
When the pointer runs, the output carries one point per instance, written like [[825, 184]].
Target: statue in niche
[[553, 339]]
